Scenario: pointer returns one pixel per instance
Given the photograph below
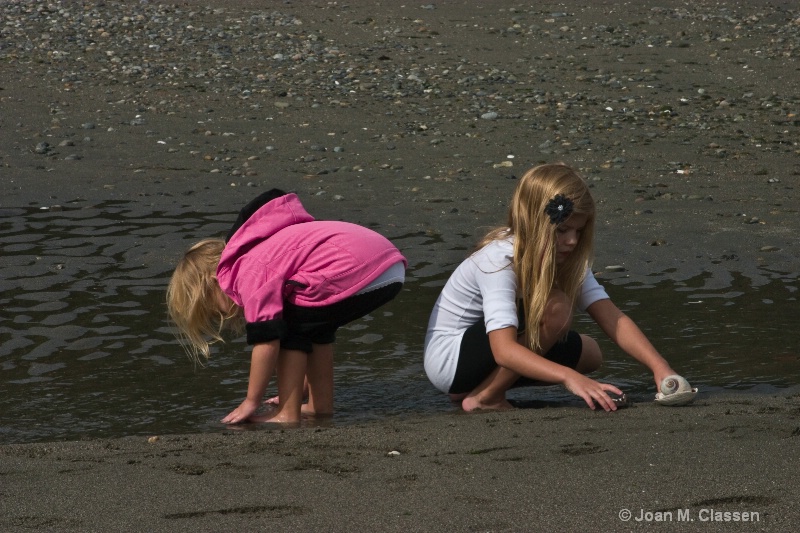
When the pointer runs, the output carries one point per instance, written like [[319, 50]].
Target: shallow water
[[86, 350]]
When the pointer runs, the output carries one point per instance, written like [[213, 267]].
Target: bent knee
[[591, 356], [557, 317]]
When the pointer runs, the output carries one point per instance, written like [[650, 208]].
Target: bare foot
[[309, 411], [473, 403], [275, 400], [275, 417], [305, 409]]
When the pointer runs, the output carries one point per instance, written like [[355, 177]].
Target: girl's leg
[[276, 401], [320, 324], [291, 375], [491, 393], [591, 355], [319, 372]]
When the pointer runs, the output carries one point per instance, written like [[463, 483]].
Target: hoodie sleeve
[[269, 330], [262, 297]]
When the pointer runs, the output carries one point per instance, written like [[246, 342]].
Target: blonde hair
[[193, 297], [534, 261]]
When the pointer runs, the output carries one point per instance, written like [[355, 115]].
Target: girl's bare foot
[[474, 403], [308, 410], [275, 417]]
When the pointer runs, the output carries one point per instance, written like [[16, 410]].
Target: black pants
[[318, 325], [476, 361]]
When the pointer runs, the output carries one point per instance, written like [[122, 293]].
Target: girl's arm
[[627, 335], [510, 354], [263, 362]]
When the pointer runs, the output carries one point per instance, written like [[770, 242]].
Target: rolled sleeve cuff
[[258, 332]]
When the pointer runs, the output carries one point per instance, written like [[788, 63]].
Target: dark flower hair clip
[[559, 209]]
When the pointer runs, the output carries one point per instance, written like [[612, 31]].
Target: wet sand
[[404, 118], [552, 468]]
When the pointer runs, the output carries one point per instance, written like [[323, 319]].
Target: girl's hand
[[660, 374], [592, 391], [245, 410], [263, 362]]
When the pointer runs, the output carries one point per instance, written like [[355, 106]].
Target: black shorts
[[476, 361], [318, 325]]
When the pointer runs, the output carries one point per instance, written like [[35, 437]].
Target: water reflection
[[85, 349]]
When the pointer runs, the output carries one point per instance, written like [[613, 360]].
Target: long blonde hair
[[193, 297], [534, 261]]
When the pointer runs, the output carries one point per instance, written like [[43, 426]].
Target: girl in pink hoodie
[[289, 282]]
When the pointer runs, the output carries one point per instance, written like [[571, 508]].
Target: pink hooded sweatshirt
[[281, 254]]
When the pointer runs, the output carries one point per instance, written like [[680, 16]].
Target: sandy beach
[[554, 469], [415, 119]]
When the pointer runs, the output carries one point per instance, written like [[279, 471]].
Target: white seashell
[[674, 383], [678, 398], [675, 390], [669, 385]]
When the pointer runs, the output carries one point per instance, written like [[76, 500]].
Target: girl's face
[[568, 234]]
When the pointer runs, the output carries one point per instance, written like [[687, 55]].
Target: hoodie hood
[[265, 222], [250, 209]]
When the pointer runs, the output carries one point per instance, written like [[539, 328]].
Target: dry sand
[[402, 116]]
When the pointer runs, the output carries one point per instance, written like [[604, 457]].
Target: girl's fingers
[[603, 400], [594, 393], [611, 388], [589, 401]]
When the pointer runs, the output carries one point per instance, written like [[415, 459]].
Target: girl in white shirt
[[503, 318]]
